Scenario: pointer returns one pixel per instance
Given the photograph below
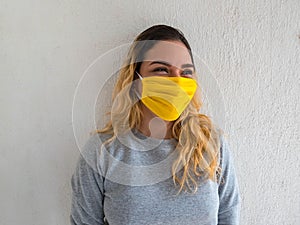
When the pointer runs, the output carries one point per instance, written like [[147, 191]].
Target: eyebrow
[[168, 64]]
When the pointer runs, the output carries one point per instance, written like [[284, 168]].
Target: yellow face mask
[[167, 97]]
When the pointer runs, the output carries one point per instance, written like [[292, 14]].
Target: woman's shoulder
[[225, 148], [221, 139], [226, 158], [90, 149]]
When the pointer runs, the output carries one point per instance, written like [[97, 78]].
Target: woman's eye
[[187, 72], [160, 69]]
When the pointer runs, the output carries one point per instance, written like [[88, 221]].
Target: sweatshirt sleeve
[[229, 195], [87, 188]]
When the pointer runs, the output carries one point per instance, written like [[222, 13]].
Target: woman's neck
[[153, 126]]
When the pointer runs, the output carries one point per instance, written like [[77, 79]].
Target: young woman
[[160, 161]]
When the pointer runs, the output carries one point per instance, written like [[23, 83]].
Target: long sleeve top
[[127, 183]]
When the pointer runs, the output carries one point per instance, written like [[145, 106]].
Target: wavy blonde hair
[[198, 138]]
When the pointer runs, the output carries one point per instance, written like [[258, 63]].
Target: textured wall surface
[[251, 46]]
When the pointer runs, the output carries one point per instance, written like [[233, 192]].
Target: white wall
[[252, 47]]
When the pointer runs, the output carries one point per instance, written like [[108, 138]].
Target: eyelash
[[189, 72], [162, 69]]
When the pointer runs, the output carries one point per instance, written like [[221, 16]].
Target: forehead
[[173, 52]]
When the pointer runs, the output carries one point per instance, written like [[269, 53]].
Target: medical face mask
[[167, 97]]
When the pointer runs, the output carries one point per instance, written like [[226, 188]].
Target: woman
[[154, 118]]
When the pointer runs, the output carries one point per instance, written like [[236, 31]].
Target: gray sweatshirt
[[129, 182]]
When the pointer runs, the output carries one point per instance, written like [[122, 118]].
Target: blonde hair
[[198, 138]]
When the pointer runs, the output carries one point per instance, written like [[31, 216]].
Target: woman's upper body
[[98, 193], [155, 145]]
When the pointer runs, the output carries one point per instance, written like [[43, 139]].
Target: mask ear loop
[[139, 75], [136, 92]]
